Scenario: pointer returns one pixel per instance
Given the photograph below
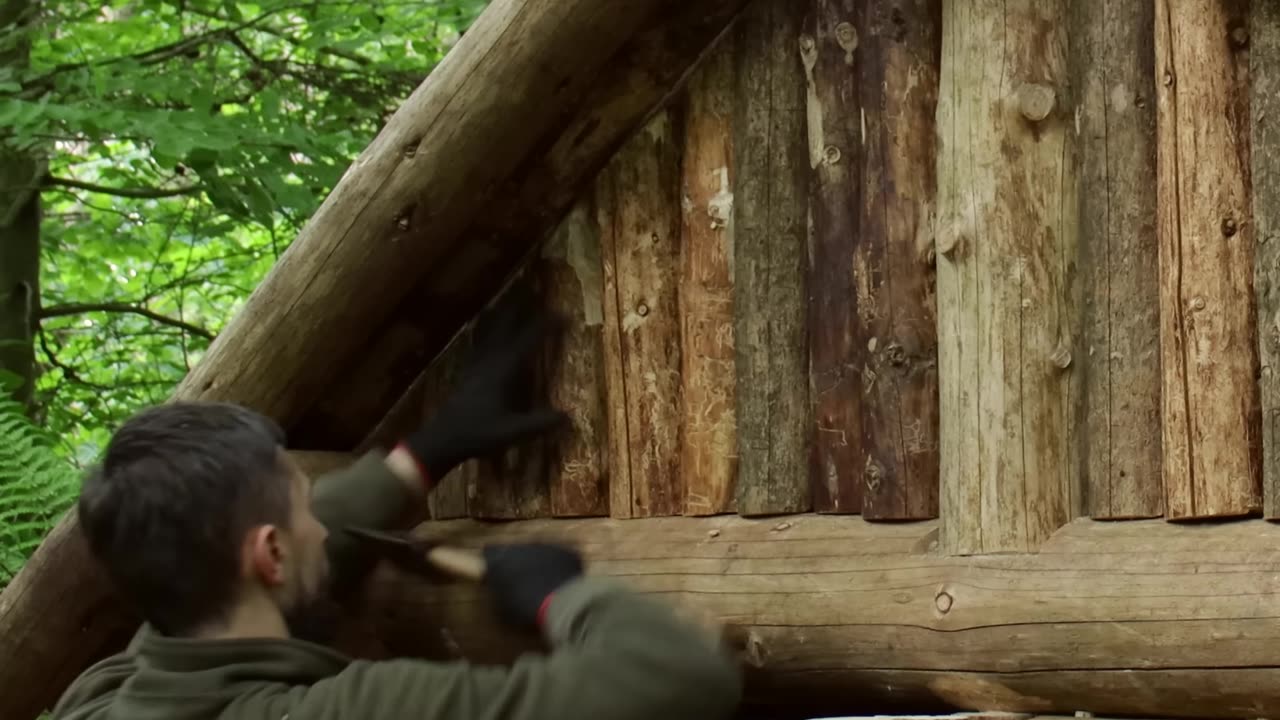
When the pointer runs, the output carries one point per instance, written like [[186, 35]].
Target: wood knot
[[1240, 36], [847, 36], [1166, 79], [1197, 303], [1229, 227], [831, 155], [642, 310], [872, 474], [1036, 101], [943, 601], [402, 221], [411, 148], [1061, 357], [947, 242], [896, 354]]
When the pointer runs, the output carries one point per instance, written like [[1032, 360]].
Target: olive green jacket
[[615, 656]]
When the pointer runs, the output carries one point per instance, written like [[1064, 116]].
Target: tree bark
[[1161, 619], [1005, 252], [519, 211], [897, 333], [1114, 66], [638, 211], [770, 259], [1264, 99], [708, 437], [1211, 404], [20, 174]]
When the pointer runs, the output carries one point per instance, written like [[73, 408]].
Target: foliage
[[186, 141]]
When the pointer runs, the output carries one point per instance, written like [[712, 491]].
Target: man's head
[[196, 511]]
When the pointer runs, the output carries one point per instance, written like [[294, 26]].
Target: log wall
[[867, 261]]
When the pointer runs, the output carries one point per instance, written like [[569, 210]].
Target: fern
[[36, 487]]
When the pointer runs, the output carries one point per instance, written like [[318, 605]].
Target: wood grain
[[770, 213], [1114, 65], [572, 275], [1161, 619], [1006, 244], [1209, 351], [638, 211], [708, 437], [893, 262], [1264, 99], [828, 52]]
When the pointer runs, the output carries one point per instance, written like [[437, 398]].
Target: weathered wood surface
[[1113, 56], [1005, 246], [708, 426], [1264, 99], [893, 262], [770, 212], [520, 211], [1211, 404], [638, 212], [571, 272], [828, 46], [1161, 619]]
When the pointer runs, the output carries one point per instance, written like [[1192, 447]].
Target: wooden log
[[1161, 619], [638, 211], [520, 212], [572, 275], [1264, 99], [770, 212], [1005, 250], [708, 425], [1114, 65], [838, 458], [897, 336], [1209, 354]]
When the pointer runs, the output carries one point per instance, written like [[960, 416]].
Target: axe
[[422, 556]]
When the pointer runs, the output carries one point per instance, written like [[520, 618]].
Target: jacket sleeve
[[615, 654], [367, 494]]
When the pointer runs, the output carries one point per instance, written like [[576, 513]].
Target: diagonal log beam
[[836, 614]]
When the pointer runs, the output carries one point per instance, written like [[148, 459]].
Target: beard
[[316, 614]]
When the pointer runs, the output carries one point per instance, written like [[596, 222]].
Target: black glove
[[489, 410], [523, 578]]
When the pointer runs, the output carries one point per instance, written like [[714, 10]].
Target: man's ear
[[266, 555]]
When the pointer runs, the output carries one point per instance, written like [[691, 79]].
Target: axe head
[[402, 549]]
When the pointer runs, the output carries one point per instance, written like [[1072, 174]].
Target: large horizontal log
[[1140, 617]]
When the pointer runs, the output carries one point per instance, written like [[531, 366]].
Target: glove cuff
[[541, 617], [428, 480]]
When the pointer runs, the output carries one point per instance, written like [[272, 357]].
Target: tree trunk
[[708, 437], [897, 336], [1212, 421], [1264, 82], [1114, 65], [1005, 251], [770, 259], [1161, 619], [20, 176], [638, 209]]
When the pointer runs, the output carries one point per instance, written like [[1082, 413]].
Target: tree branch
[[136, 193], [82, 308]]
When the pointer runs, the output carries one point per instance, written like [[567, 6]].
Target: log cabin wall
[[869, 261]]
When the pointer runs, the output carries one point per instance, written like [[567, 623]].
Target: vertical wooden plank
[[708, 438], [1006, 248], [1211, 403], [893, 264], [1264, 82], [770, 214], [640, 238], [513, 485], [1113, 55], [573, 285], [828, 53]]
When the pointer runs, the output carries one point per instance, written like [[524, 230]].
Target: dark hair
[[166, 508]]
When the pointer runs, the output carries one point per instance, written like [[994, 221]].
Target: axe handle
[[464, 564]]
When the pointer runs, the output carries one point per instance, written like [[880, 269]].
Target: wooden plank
[[770, 213], [1264, 99], [1162, 619], [708, 438], [638, 198], [1209, 352], [897, 336], [571, 272], [828, 54], [1005, 249], [1114, 66]]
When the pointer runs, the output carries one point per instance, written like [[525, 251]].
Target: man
[[222, 543]]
